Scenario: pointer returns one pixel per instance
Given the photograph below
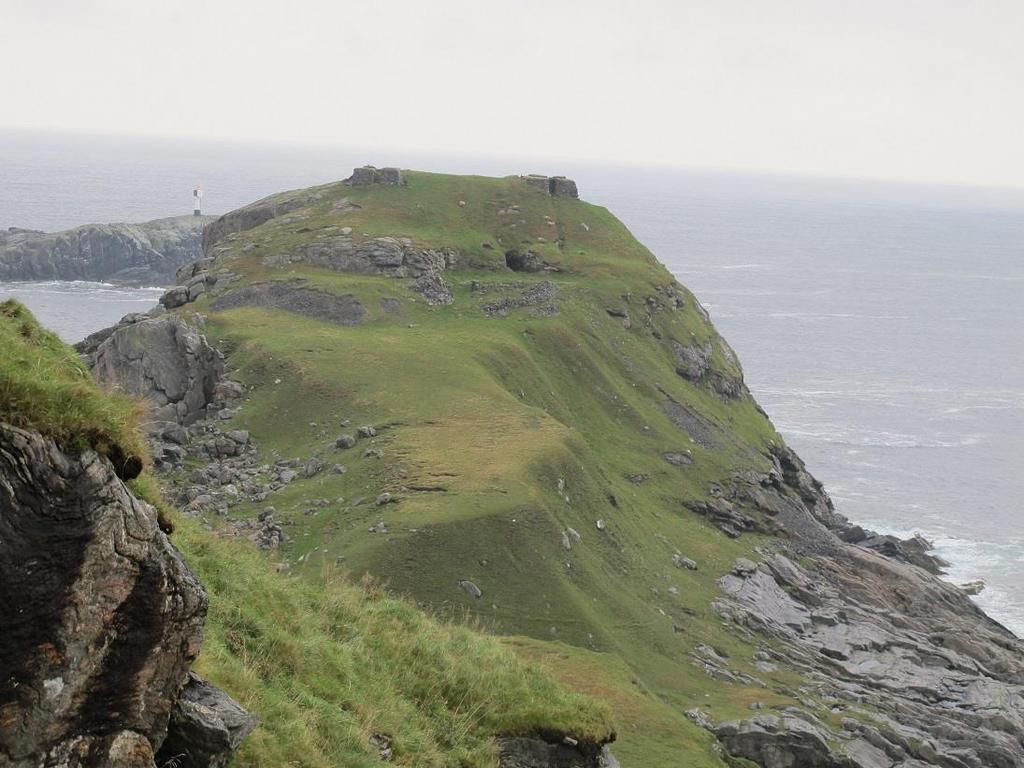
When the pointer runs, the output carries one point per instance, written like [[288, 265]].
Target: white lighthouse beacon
[[197, 201]]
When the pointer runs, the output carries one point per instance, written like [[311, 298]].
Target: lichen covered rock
[[101, 616]]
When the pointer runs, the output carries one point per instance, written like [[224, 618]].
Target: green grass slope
[[499, 433], [326, 665], [45, 386]]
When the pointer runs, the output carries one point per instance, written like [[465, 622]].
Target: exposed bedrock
[[101, 617], [917, 673], [696, 363], [929, 678], [161, 358], [558, 752], [294, 296], [253, 215], [390, 256], [132, 254]]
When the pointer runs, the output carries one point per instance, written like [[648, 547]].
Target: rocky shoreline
[[126, 254]]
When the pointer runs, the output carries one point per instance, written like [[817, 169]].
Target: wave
[[844, 436]]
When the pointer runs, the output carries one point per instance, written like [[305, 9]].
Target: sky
[[912, 90]]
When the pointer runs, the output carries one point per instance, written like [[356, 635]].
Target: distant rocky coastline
[[127, 254]]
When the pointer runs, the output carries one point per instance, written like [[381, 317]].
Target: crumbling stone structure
[[553, 185], [370, 175]]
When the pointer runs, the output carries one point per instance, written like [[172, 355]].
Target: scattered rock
[[973, 587], [345, 441], [684, 562], [677, 459], [383, 745], [206, 727], [435, 289], [470, 588], [539, 298]]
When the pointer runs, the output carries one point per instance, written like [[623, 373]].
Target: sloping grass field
[[499, 434]]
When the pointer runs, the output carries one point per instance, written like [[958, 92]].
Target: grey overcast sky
[[921, 90]]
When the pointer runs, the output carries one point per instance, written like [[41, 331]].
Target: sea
[[881, 325]]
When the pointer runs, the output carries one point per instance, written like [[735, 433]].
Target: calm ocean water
[[881, 326]]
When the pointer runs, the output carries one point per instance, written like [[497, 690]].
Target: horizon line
[[310, 144]]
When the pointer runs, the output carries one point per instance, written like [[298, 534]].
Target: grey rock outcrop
[[295, 296], [101, 616], [161, 358], [206, 727], [695, 363], [876, 635], [389, 256], [524, 261], [551, 751], [934, 681], [253, 215], [130, 254]]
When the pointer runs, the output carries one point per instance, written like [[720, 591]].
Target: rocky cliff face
[[161, 358], [101, 617], [131, 254]]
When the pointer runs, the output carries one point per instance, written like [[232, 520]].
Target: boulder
[[206, 727], [523, 261], [470, 588], [678, 459], [775, 742], [164, 360], [177, 296]]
